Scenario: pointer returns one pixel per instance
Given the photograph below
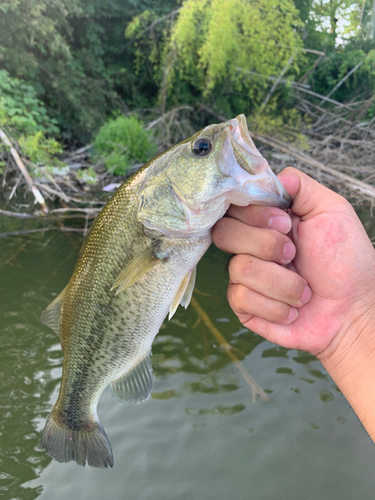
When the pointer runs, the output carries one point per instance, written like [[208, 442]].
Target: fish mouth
[[262, 186]]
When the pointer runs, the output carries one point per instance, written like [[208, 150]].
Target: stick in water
[[255, 387]]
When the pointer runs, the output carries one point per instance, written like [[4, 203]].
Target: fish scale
[[137, 264]]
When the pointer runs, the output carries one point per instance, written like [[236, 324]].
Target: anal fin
[[184, 292], [135, 386]]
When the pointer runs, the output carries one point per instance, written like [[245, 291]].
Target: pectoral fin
[[184, 292], [136, 268], [135, 386], [51, 316]]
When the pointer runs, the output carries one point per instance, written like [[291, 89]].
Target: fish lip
[[285, 202], [239, 132], [277, 194]]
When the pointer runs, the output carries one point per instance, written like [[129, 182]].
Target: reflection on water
[[199, 435], [26, 360]]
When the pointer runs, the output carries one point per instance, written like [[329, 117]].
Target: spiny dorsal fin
[[136, 268], [135, 386], [51, 316], [184, 292]]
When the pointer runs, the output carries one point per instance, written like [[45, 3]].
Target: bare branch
[[342, 81], [152, 25], [37, 195]]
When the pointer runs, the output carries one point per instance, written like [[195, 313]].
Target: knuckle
[[279, 311], [270, 246], [294, 288], [218, 233], [241, 265], [346, 205], [236, 296]]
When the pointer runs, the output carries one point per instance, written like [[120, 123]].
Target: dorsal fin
[[184, 292], [51, 316], [135, 386], [136, 268]]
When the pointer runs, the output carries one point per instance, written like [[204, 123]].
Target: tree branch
[[37, 195]]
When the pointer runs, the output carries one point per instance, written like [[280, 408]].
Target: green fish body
[[136, 266]]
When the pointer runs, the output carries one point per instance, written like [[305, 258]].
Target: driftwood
[[37, 194], [361, 187], [43, 230]]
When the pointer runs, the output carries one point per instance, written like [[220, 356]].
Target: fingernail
[[306, 296], [280, 223], [293, 315], [289, 252]]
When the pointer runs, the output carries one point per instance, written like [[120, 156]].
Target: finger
[[246, 303], [278, 334], [268, 279], [309, 197], [265, 217], [234, 236]]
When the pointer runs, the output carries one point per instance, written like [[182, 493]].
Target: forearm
[[351, 364]]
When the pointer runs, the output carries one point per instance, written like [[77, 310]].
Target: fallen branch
[[48, 189], [277, 81], [342, 81], [301, 88], [18, 215], [255, 387], [43, 230], [88, 211], [37, 194]]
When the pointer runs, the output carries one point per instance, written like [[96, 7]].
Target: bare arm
[[313, 291]]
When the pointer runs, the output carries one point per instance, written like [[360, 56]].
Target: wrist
[[350, 361]]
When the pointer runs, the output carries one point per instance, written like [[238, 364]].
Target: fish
[[137, 264]]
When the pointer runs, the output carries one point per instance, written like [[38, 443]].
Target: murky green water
[[199, 436]]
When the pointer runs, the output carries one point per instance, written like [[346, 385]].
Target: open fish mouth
[[263, 186]]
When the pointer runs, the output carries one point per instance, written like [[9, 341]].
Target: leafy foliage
[[40, 149], [208, 51], [67, 64], [21, 109], [233, 34], [284, 124], [121, 142], [75, 54], [88, 176]]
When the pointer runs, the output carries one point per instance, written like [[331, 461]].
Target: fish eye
[[202, 147]]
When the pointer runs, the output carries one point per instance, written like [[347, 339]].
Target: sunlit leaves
[[213, 38]]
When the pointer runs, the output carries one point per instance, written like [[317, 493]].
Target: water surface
[[200, 435]]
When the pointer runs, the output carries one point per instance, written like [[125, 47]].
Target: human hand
[[328, 250]]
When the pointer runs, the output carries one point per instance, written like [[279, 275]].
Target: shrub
[[88, 176], [21, 109], [39, 149], [122, 142]]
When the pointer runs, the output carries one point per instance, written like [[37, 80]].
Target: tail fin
[[64, 444]]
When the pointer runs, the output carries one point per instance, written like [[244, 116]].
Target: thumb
[[309, 197]]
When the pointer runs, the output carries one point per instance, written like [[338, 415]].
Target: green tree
[[75, 55], [209, 50]]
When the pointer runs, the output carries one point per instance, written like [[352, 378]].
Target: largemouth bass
[[136, 266]]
